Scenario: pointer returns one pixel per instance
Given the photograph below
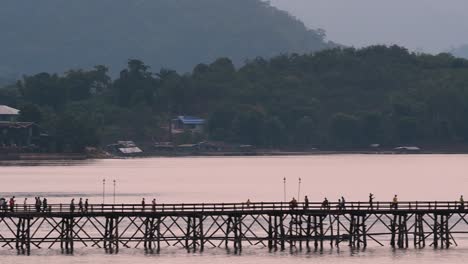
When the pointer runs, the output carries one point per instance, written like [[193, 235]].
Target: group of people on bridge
[[341, 205], [42, 205]]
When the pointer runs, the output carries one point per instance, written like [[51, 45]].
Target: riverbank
[[260, 152], [43, 156]]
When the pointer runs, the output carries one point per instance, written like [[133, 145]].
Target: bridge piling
[[66, 235], [111, 235], [23, 235]]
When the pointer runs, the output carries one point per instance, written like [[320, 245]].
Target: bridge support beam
[[276, 232], [194, 237], [66, 235], [23, 236], [419, 235], [358, 231], [399, 229], [111, 235], [442, 236], [152, 235], [234, 232]]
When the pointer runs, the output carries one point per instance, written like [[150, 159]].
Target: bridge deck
[[256, 208]]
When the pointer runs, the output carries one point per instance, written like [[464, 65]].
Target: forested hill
[[56, 35], [339, 98]]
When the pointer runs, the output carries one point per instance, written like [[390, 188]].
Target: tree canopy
[[338, 98]]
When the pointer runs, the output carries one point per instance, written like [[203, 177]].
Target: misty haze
[[233, 131]]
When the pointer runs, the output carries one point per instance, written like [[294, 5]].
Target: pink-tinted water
[[236, 179]]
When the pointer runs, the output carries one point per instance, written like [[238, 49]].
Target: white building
[[8, 114]]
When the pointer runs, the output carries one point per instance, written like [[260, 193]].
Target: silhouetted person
[[395, 202], [293, 203], [86, 205], [25, 204], [4, 205], [72, 205], [462, 203], [12, 204], [343, 203], [80, 205], [38, 204], [371, 201], [325, 204], [44, 205], [248, 202], [143, 204], [306, 202], [153, 205]]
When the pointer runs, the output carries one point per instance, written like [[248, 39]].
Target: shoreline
[[83, 156]]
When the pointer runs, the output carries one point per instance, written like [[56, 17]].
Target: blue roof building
[[187, 123]]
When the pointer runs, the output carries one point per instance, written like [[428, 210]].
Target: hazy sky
[[428, 25]]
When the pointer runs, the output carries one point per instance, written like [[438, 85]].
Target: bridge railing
[[236, 207]]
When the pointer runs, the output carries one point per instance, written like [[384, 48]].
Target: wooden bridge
[[196, 227]]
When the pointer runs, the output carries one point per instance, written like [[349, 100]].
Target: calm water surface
[[174, 180]]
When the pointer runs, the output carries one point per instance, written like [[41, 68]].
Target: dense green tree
[[344, 129], [305, 132], [339, 98], [135, 85], [30, 113]]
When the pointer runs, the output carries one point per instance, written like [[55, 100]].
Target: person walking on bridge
[[343, 203], [12, 203], [153, 205], [306, 203], [80, 205], [371, 201], [395, 202], [293, 203], [38, 204], [45, 205], [326, 204], [72, 205], [25, 204], [462, 203], [86, 205], [143, 204], [248, 203]]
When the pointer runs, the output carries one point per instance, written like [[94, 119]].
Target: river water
[[236, 179]]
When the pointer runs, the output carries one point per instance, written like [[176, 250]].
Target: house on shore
[[14, 134], [19, 134], [183, 124], [8, 114]]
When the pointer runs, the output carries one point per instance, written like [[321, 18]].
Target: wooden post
[[393, 230], [309, 232], [202, 234], [187, 234], [228, 230], [270, 233], [435, 231], [282, 232]]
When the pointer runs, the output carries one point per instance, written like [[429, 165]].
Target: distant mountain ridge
[[57, 35]]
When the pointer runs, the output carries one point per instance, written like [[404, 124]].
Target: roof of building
[[132, 150], [413, 148], [6, 110], [191, 120], [6, 124]]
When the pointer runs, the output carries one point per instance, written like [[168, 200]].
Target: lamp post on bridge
[[284, 189], [103, 191], [299, 190], [114, 190]]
